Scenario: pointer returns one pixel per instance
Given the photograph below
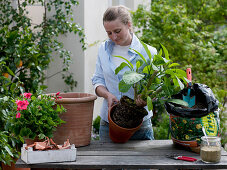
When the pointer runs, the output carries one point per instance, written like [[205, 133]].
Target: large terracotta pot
[[78, 119], [119, 134]]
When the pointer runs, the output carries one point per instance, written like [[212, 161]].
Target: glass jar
[[210, 149]]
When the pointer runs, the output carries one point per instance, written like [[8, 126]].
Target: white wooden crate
[[31, 157]]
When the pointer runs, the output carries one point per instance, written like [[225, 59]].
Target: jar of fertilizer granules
[[210, 149]]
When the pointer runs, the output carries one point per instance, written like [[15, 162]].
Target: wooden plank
[[142, 146], [133, 155], [136, 153], [129, 145], [159, 162]]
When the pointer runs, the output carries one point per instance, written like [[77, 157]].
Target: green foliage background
[[194, 32], [26, 50], [36, 44]]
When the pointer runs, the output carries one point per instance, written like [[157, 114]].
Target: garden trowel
[[188, 98]]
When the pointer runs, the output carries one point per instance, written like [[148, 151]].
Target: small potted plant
[[152, 79], [35, 116]]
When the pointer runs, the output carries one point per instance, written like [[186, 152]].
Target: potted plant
[[152, 79], [35, 116]]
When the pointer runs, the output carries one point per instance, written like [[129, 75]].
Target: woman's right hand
[[111, 100], [103, 92]]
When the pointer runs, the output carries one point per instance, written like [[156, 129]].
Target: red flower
[[27, 95], [18, 115], [22, 104], [57, 96]]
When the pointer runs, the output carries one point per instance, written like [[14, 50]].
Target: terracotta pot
[[78, 117], [119, 134], [12, 167]]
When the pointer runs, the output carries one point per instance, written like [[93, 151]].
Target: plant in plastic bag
[[186, 123], [205, 102]]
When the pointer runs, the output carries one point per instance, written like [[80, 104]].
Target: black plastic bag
[[205, 102]]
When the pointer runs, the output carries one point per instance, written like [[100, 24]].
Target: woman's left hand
[[140, 101]]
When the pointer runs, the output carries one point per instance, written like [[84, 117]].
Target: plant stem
[[151, 79], [135, 92], [156, 92], [149, 83]]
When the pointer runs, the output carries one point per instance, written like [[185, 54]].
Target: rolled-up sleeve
[[98, 76]]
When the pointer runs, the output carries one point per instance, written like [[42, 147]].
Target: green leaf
[[132, 77], [146, 69], [139, 63], [180, 83], [123, 87], [165, 52], [140, 56], [41, 136], [146, 49], [119, 68], [149, 103], [25, 132], [173, 65], [58, 109], [8, 150], [178, 101], [129, 63], [159, 60], [154, 67], [180, 73], [9, 71]]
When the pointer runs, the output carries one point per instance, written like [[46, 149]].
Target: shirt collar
[[109, 44]]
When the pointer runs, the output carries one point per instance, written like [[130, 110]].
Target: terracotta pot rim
[[82, 98], [127, 129]]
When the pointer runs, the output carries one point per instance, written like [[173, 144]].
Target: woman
[[118, 25]]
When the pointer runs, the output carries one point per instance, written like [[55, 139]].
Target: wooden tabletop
[[133, 154]]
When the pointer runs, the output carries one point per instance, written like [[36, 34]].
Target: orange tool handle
[[189, 74]]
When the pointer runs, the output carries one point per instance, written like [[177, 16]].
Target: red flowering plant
[[36, 115]]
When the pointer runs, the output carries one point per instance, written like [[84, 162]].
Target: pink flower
[[18, 115], [22, 104], [27, 95], [57, 97]]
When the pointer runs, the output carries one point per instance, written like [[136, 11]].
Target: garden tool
[[188, 98], [183, 158]]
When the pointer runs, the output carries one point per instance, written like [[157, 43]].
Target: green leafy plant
[[27, 48], [153, 78], [194, 33], [9, 143], [9, 148], [96, 124], [35, 115], [222, 97], [161, 131]]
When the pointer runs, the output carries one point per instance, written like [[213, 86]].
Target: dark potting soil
[[127, 114]]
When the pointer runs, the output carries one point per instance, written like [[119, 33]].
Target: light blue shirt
[[105, 71]]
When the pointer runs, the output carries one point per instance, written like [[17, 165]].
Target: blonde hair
[[115, 12]]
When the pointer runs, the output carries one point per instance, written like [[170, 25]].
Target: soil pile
[[127, 114]]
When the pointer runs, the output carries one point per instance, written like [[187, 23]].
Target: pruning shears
[[183, 158]]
